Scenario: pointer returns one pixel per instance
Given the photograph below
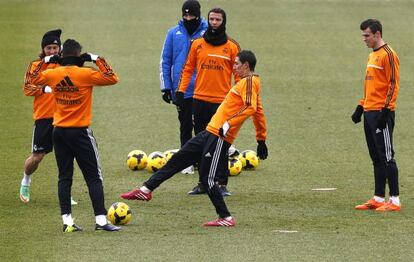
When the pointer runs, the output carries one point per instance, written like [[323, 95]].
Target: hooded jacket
[[174, 54]]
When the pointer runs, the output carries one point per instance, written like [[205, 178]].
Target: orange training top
[[214, 65], [382, 80], [242, 101], [72, 88], [43, 103]]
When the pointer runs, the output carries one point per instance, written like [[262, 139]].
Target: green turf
[[311, 59]]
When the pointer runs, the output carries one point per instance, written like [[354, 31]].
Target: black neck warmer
[[192, 25], [71, 60], [216, 37]]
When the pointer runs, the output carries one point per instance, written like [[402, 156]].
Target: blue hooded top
[[174, 55]]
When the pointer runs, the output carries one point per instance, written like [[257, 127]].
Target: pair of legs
[[203, 112], [79, 144], [41, 145], [210, 152], [381, 151]]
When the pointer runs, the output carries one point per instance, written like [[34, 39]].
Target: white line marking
[[324, 189], [285, 231]]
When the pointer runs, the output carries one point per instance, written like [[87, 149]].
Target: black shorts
[[42, 136]]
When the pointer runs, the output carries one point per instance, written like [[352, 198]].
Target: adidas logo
[[66, 85], [377, 131], [208, 154], [178, 33]]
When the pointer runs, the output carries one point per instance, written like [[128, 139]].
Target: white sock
[[145, 189], [228, 218], [395, 200], [26, 180], [67, 219], [379, 199], [101, 220]]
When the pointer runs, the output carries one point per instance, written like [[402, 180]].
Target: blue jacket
[[174, 55]]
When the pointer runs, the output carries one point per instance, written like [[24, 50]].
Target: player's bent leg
[[187, 155], [32, 162], [176, 163], [30, 166]]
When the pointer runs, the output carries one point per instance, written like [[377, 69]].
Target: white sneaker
[[73, 202], [188, 171], [233, 152]]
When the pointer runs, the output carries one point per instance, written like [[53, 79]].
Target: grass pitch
[[311, 60]]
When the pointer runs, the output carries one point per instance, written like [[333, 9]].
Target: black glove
[[356, 116], [52, 59], [382, 119], [88, 57], [179, 98], [261, 149], [85, 57], [166, 95], [221, 132]]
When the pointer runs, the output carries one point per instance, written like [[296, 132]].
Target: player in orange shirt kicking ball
[[382, 83], [212, 57], [210, 146]]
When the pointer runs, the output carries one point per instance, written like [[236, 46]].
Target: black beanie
[[191, 7], [51, 37]]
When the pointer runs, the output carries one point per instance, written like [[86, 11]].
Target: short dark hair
[[71, 48], [373, 24], [249, 57]]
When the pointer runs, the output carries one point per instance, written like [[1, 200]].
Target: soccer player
[[43, 109], [212, 57], [382, 83], [72, 86], [174, 53], [210, 146]]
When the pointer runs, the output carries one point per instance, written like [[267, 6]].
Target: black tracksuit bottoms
[[211, 152], [381, 151], [203, 112], [79, 144]]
